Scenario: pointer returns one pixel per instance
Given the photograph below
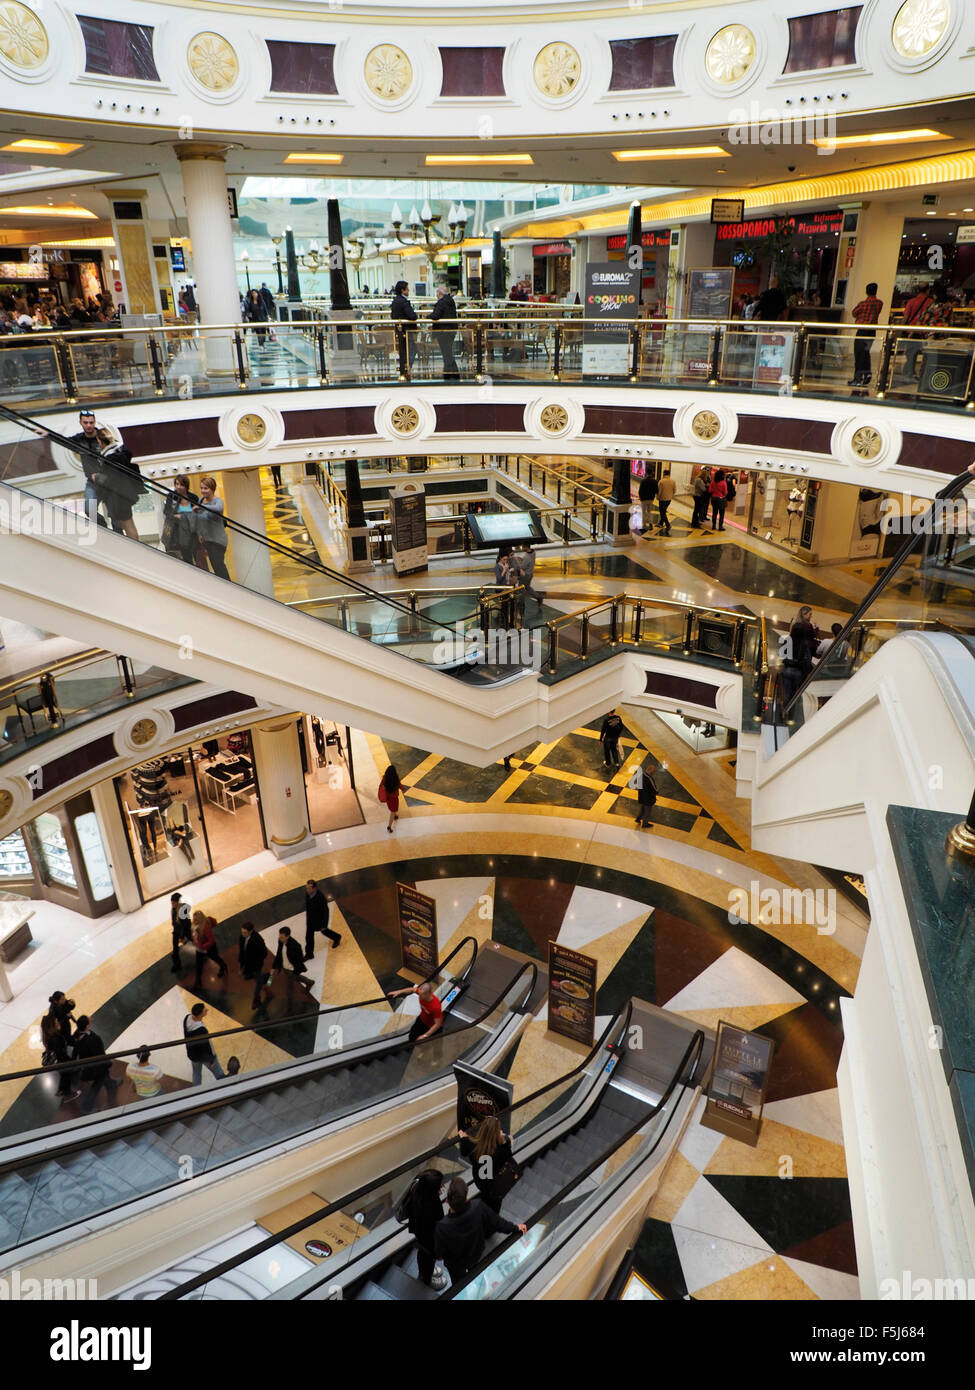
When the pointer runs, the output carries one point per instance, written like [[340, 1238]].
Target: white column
[[115, 841], [277, 758], [875, 256], [204, 176], [694, 251], [248, 561]]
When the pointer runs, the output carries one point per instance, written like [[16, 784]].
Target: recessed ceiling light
[[968, 209], [32, 210], [479, 159], [314, 157], [673, 152], [32, 146], [877, 137], [930, 214]]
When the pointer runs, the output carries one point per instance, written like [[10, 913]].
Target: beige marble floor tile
[[763, 1282], [780, 1149], [677, 1182]]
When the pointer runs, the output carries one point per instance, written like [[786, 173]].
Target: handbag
[[48, 1058], [505, 1180]]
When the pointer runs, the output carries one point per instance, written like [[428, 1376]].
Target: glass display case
[[52, 851], [14, 857]]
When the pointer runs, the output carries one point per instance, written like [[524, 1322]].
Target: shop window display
[[14, 857], [52, 851], [161, 809]]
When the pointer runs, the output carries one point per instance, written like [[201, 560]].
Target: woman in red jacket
[[719, 499], [389, 788]]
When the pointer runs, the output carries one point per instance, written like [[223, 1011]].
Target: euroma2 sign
[[612, 299]]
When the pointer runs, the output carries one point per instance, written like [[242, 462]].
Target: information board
[[571, 994], [505, 528], [739, 1080], [408, 517], [709, 292], [417, 929]]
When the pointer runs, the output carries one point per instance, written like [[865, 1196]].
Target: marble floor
[[652, 906]]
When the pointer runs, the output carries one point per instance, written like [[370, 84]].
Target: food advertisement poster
[[571, 994], [417, 929]]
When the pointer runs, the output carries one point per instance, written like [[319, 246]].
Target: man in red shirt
[[430, 1020], [915, 311], [867, 311]]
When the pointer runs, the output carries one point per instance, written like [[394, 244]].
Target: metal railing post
[[714, 366], [739, 641], [241, 359], [638, 621], [68, 379], [798, 356], [614, 622], [636, 344], [553, 648], [592, 521], [158, 379], [479, 350], [557, 352], [886, 358], [688, 630], [322, 355], [584, 637], [125, 675]]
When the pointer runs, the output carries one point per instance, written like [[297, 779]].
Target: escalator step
[[371, 1292], [398, 1284]]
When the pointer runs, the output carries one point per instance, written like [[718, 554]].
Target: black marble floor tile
[[461, 782], [404, 757], [747, 573], [721, 836], [656, 1258], [786, 1212], [626, 807], [604, 566], [581, 755], [539, 790], [633, 974]]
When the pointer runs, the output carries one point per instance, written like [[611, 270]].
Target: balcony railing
[[907, 366]]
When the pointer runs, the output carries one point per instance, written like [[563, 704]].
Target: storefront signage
[[709, 292], [804, 224], [22, 270], [552, 248], [479, 1095], [571, 994], [739, 1081], [177, 257], [417, 929], [612, 298], [725, 210], [232, 202], [617, 242], [965, 235]]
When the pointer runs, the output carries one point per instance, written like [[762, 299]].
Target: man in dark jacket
[[289, 953], [459, 1239], [316, 918], [609, 737], [199, 1048], [180, 915], [267, 299], [445, 316], [647, 495], [99, 1072], [89, 448], [403, 314], [253, 956]]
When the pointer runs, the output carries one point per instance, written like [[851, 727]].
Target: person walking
[[316, 918], [178, 529], [430, 1017], [255, 311], [389, 789], [665, 495], [89, 1047], [803, 641], [199, 1048], [609, 737], [489, 1151], [145, 1076], [405, 323], [444, 314], [719, 500], [647, 493], [206, 946], [699, 492], [424, 1208], [523, 565], [646, 795], [867, 311], [290, 954], [181, 919], [55, 1038], [915, 312], [267, 299], [88, 445], [276, 476], [211, 526], [253, 957], [460, 1238]]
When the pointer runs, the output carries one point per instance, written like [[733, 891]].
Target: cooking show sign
[[739, 1080], [479, 1094], [571, 994], [612, 300], [417, 930]]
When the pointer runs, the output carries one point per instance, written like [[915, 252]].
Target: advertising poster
[[739, 1080], [417, 929], [772, 357], [571, 994], [480, 1094], [612, 299], [709, 292], [408, 515]]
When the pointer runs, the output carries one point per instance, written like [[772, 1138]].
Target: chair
[[125, 361], [29, 705]]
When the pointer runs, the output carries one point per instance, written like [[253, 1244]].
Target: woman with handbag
[[54, 1036], [389, 789], [178, 532], [422, 1209], [494, 1170], [118, 482]]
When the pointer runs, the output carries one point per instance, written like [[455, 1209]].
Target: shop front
[[551, 270], [799, 250], [60, 856]]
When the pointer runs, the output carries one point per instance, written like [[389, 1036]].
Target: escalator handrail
[[490, 1256], [74, 1063], [410, 1166], [528, 968], [907, 547]]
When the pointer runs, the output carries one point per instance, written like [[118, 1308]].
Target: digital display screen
[[505, 528]]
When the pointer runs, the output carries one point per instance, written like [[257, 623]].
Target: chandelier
[[423, 226]]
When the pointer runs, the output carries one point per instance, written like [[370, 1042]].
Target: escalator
[[287, 629], [575, 1141], [91, 1169]]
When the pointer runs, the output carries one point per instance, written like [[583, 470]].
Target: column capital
[[194, 149]]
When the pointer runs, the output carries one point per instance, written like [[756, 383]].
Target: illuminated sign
[[657, 238], [23, 270], [804, 224], [552, 248]]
